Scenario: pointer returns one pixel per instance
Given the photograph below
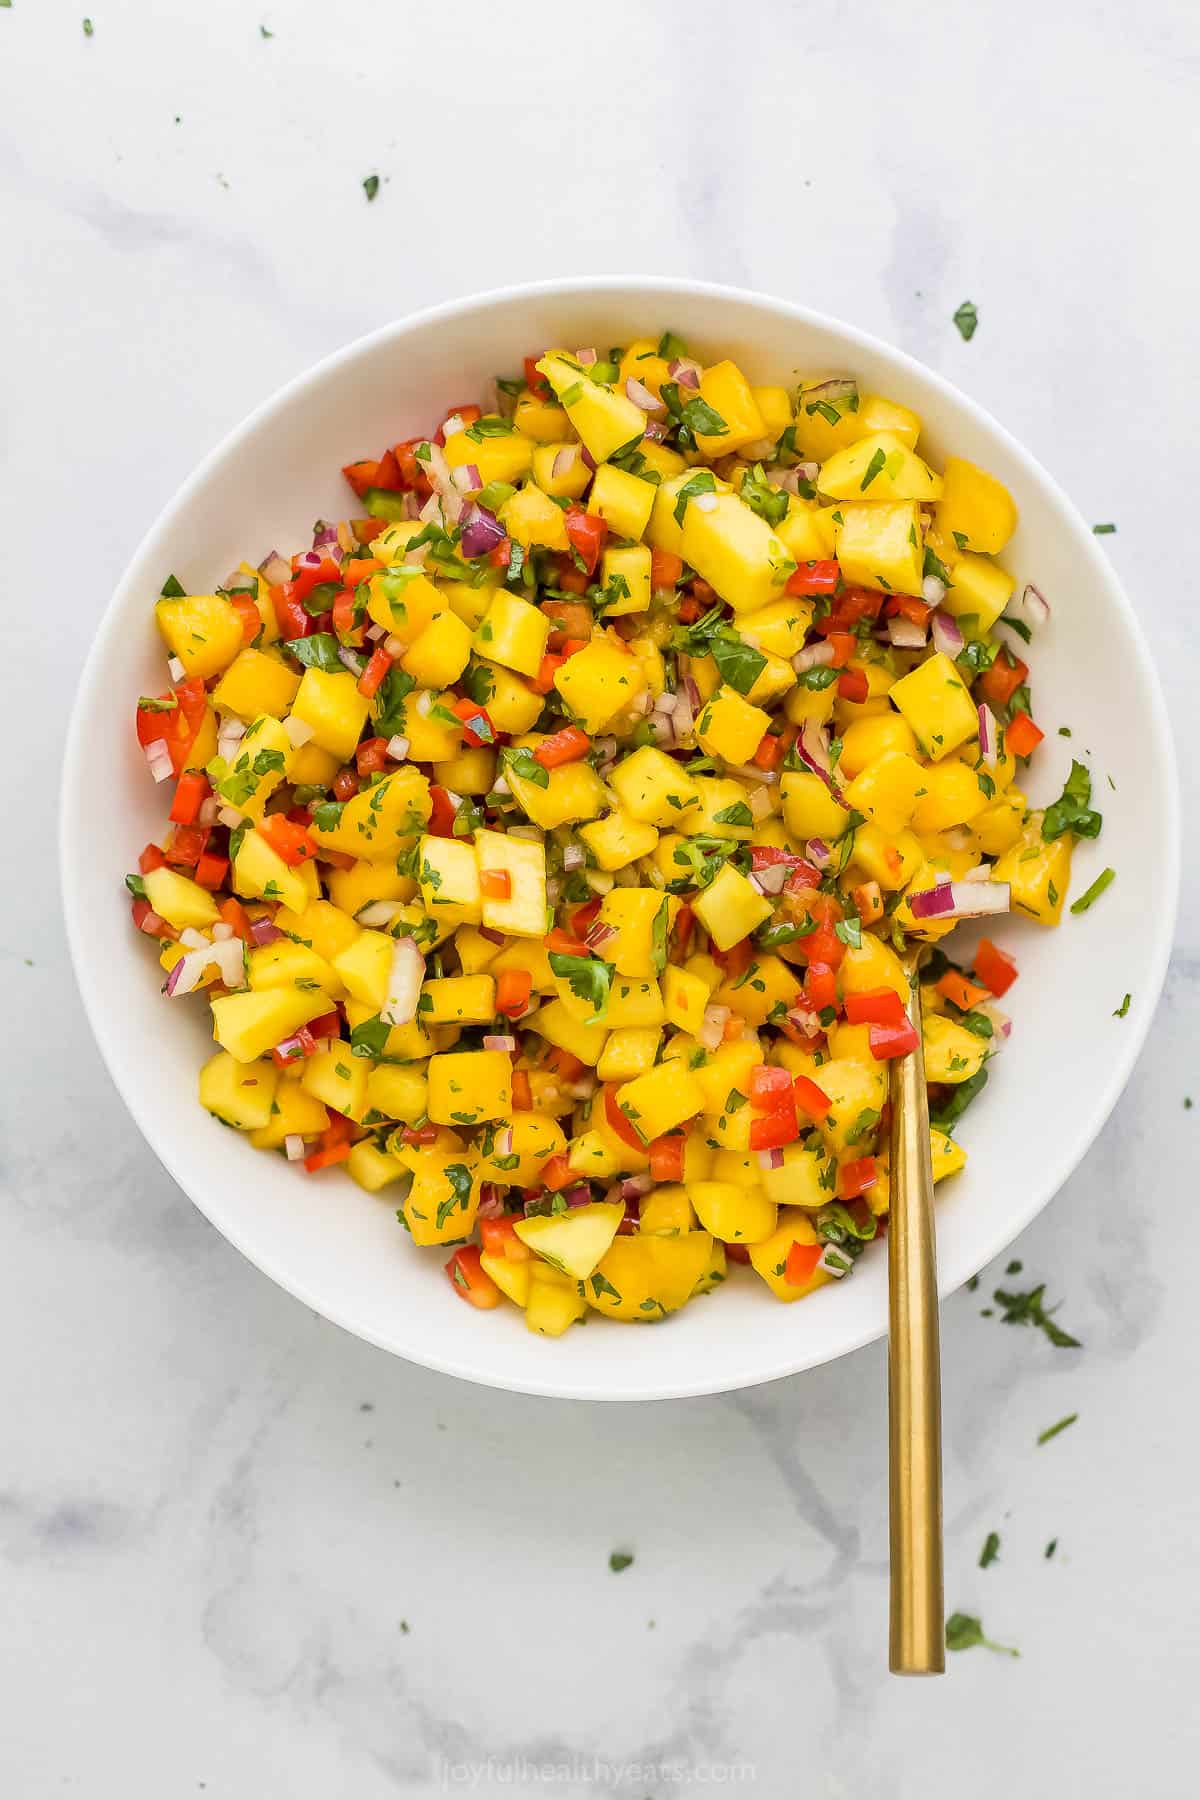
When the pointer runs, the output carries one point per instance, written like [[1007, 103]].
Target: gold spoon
[[917, 1644]]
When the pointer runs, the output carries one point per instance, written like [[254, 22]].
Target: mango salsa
[[545, 842]]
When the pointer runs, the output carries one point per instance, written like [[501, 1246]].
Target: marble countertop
[[246, 1555]]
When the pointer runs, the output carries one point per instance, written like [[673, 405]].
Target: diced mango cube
[[879, 544], [976, 511], [622, 500], [938, 705], [599, 682], [468, 1086], [730, 908], [334, 708], [730, 727]]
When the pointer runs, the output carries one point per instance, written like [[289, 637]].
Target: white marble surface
[[218, 1514]]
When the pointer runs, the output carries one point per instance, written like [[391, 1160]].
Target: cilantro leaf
[[702, 482], [769, 503], [967, 320], [965, 1633], [320, 651], [588, 977], [1072, 811], [390, 715], [524, 765]]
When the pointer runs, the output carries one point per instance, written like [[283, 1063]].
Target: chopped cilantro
[[967, 320]]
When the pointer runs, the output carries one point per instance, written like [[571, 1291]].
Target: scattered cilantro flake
[[1051, 1547], [1028, 1309], [965, 1633], [1052, 1431], [263, 32], [1104, 880], [1103, 530], [371, 186], [967, 320], [89, 30], [588, 977], [619, 1559], [1072, 811], [990, 1551]]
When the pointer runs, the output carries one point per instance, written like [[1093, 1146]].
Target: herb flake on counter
[[1052, 1431], [1104, 880], [371, 186], [967, 320], [990, 1551], [89, 30], [1120, 1011], [1051, 1547], [264, 33], [1103, 530], [619, 1559], [1028, 1309], [965, 1633]]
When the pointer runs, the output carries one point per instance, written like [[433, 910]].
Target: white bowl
[[342, 1252]]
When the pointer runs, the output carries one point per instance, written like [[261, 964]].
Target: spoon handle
[[917, 1644]]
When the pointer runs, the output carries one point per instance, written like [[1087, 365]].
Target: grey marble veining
[[245, 1555]]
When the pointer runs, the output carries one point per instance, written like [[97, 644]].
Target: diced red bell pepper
[[301, 1044], [812, 1100], [616, 1120], [964, 994], [312, 575], [852, 685], [249, 614], [854, 1178], [212, 872], [566, 746], [514, 988], [372, 677], [557, 1173], [442, 813], [288, 840], [495, 884], [186, 846], [820, 986], [772, 748], [774, 1129], [522, 1096], [346, 625], [326, 1156], [466, 416], [477, 726], [500, 555], [371, 757], [881, 1006], [290, 616], [470, 1280], [584, 917], [998, 684], [191, 793], [890, 1040], [1022, 736], [995, 967], [666, 569], [571, 580], [537, 384], [569, 618], [685, 924], [737, 1253], [566, 1066], [345, 784], [666, 1157], [843, 645], [770, 1089], [587, 534], [178, 725], [563, 944], [500, 1238], [413, 476], [362, 476], [814, 578], [801, 1263], [551, 663], [328, 1025], [387, 474], [869, 900], [237, 918], [147, 920], [419, 1136], [151, 858]]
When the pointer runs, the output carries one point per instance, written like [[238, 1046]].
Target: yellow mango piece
[[979, 587], [260, 873], [1039, 873], [511, 705], [513, 633], [728, 392], [625, 572], [394, 1092], [256, 682], [573, 792], [641, 920], [733, 1213], [606, 420], [179, 900], [882, 467], [652, 787], [938, 706], [541, 420], [809, 808], [336, 1078], [685, 997], [778, 629], [559, 1026], [656, 1102], [468, 1086], [643, 1278], [365, 967], [887, 790], [496, 455], [241, 1093], [952, 1053], [403, 600], [458, 1000], [294, 1113], [769, 1257], [522, 913], [203, 630], [868, 738], [735, 551], [249, 1025], [953, 796], [442, 1203], [730, 908], [618, 839], [448, 876], [730, 727], [532, 518], [573, 1242], [819, 436], [284, 964], [629, 1052], [598, 683], [975, 512], [879, 544], [857, 1093], [440, 653], [573, 473], [334, 708], [623, 500]]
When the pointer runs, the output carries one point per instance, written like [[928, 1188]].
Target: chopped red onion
[[350, 659], [395, 648], [491, 936], [813, 752], [988, 735], [656, 430], [785, 481], [837, 388], [564, 461], [452, 426], [1000, 1022], [158, 759], [1033, 607], [274, 570], [262, 931], [191, 939], [587, 357], [805, 1020], [404, 984], [634, 1186], [814, 656], [293, 1147], [748, 772], [377, 912], [221, 932], [760, 804], [491, 1200], [961, 900], [641, 396], [599, 934], [712, 1026], [685, 371], [947, 634], [290, 1049], [373, 634], [771, 879], [175, 669], [397, 748], [588, 459], [933, 590], [770, 1159], [466, 478], [906, 634], [508, 1044], [230, 817], [481, 531], [504, 1142], [819, 853], [579, 1195], [574, 856], [834, 1261]]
